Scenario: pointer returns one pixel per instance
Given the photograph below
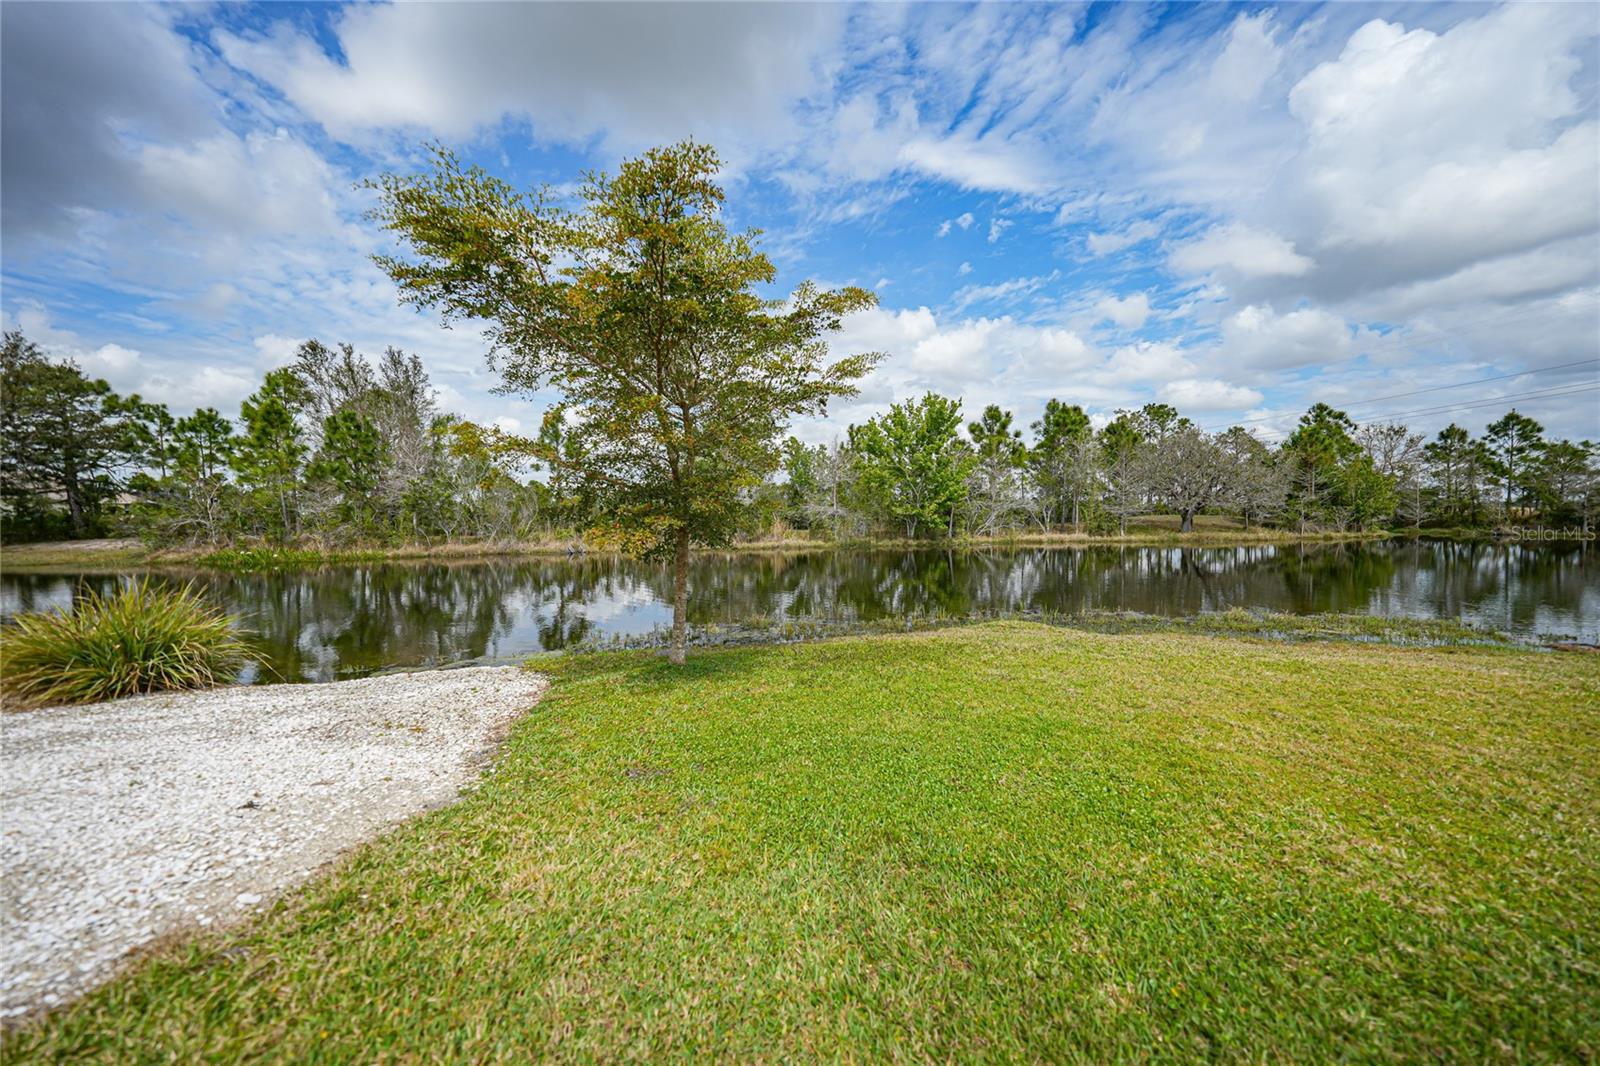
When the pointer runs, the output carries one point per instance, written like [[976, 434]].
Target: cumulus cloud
[[1241, 249], [1432, 173], [1129, 312], [1258, 337], [1198, 394], [1427, 152]]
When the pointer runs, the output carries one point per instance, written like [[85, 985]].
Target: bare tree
[[1259, 484], [1397, 453]]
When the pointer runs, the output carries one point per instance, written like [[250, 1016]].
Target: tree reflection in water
[[346, 621]]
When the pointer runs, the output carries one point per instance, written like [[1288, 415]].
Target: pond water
[[346, 621]]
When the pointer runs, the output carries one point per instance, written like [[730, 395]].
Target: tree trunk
[[1187, 525], [74, 497], [680, 599]]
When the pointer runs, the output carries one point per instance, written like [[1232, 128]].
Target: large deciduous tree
[[1186, 470], [641, 310], [913, 462]]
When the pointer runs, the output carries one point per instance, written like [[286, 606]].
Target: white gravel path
[[123, 822]]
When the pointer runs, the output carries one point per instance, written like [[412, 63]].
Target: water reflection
[[352, 620]]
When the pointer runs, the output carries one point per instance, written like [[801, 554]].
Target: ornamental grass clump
[[144, 638]]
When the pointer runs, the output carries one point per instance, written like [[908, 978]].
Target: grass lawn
[[1007, 841]]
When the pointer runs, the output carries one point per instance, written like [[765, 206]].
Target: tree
[[1365, 493], [1451, 462], [1258, 484], [1514, 443], [830, 502], [1056, 462], [350, 461], [403, 409], [800, 463], [192, 500], [1120, 445], [334, 379], [1563, 480], [676, 377], [1320, 444], [64, 436], [913, 463], [152, 428], [1186, 471], [1155, 420], [1397, 454], [996, 489], [267, 457]]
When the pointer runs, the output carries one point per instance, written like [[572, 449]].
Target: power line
[[1547, 394], [1420, 392], [1464, 384], [1559, 392]]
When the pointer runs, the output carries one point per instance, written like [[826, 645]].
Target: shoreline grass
[[1007, 841], [122, 554], [142, 638], [1275, 626]]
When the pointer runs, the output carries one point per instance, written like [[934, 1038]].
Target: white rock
[[93, 867]]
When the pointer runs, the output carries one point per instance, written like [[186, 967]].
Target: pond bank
[[129, 821], [129, 552]]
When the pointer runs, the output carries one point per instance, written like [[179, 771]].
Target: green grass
[[1008, 841], [143, 638]]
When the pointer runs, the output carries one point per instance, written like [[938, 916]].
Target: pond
[[347, 621]]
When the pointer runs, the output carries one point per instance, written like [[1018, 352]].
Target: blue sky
[[1239, 210]]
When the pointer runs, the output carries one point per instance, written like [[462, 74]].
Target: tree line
[[339, 449], [334, 448], [913, 472]]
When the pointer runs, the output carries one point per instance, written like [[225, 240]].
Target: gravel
[[128, 821]]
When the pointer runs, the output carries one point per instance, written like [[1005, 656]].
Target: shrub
[[145, 638]]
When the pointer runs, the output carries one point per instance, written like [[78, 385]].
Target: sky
[[1238, 210]]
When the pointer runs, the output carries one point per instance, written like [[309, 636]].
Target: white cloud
[[1004, 292], [964, 269], [1197, 394], [273, 351], [641, 73], [964, 220], [1244, 250], [1256, 336], [1427, 152], [1129, 312], [1148, 361], [997, 228], [987, 165], [1107, 243]]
